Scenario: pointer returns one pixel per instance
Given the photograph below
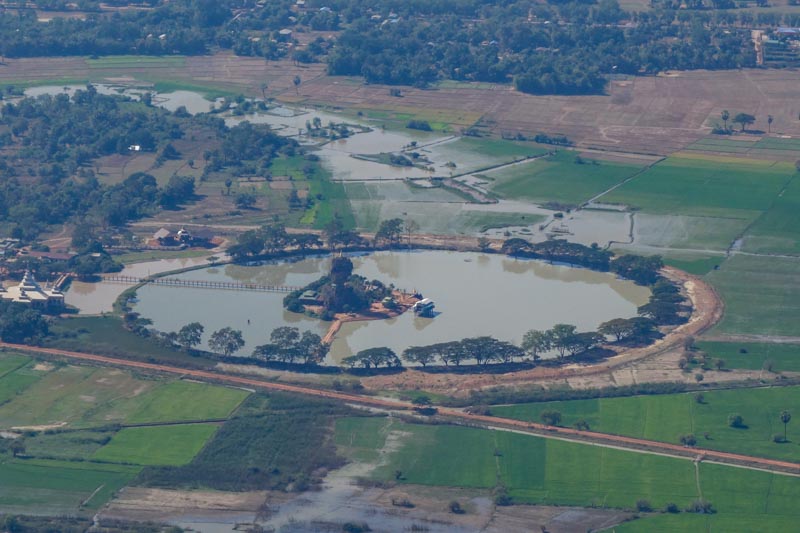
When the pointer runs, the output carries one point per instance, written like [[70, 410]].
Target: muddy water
[[475, 294], [96, 298]]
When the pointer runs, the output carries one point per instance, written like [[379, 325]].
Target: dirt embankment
[[707, 309]]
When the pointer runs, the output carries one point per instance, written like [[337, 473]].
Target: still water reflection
[[475, 294]]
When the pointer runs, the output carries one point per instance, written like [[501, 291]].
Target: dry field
[[657, 114]]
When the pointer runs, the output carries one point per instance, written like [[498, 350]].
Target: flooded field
[[475, 294]]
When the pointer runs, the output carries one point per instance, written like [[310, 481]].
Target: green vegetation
[[705, 186], [185, 400], [776, 231], [761, 295], [70, 445], [16, 381], [157, 445], [273, 442], [59, 487], [563, 177], [11, 362], [666, 417], [107, 335], [755, 356], [695, 265], [553, 472]]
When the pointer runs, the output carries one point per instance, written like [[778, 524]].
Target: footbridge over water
[[199, 284]]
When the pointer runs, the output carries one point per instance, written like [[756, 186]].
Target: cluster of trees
[[269, 239], [287, 345], [49, 142], [743, 119], [21, 323], [667, 306], [341, 291], [374, 357], [561, 48], [559, 250], [482, 350]]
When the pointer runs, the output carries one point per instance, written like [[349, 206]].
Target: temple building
[[30, 292]]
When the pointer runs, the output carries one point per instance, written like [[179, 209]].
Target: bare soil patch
[[160, 505]]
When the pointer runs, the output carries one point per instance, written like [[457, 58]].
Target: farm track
[[453, 415]]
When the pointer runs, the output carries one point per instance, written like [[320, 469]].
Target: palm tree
[[786, 416], [769, 123], [264, 87], [725, 117], [297, 82]]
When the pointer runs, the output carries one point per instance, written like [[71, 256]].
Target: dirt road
[[453, 415]]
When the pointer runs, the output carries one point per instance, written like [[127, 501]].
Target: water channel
[[475, 294]]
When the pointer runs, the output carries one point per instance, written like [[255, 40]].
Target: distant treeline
[[543, 48]]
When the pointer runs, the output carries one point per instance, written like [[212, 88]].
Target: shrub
[[735, 420], [700, 506], [672, 508], [643, 506]]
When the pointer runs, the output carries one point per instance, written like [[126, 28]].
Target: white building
[[30, 292]]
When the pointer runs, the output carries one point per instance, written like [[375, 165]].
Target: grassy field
[[10, 362], [682, 231], [544, 471], [184, 400], [783, 357], [157, 445], [761, 295], [666, 417], [473, 154], [15, 382], [699, 265], [71, 395], [705, 186], [59, 487], [778, 230], [559, 178]]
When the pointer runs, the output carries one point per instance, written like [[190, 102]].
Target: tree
[[228, 184], [264, 87], [422, 355], [190, 335], [745, 119], [390, 230], [786, 417], [422, 401], [770, 119], [535, 342], [311, 348], [551, 418], [561, 335], [725, 117], [411, 227], [688, 440], [617, 327], [226, 341], [245, 200], [297, 81], [735, 420], [719, 363], [484, 244]]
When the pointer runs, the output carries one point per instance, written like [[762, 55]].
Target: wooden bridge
[[200, 284]]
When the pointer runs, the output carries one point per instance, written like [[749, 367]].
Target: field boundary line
[[542, 430]]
